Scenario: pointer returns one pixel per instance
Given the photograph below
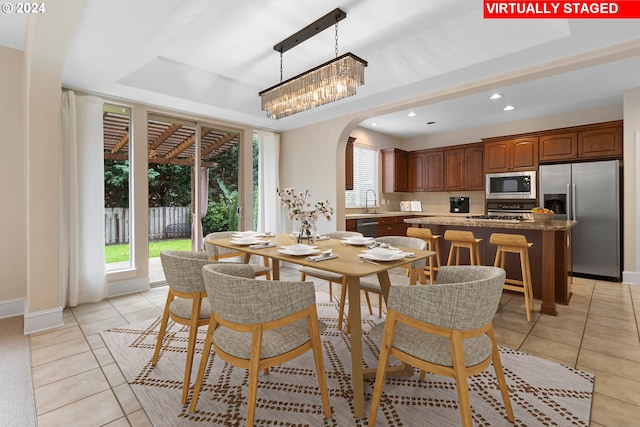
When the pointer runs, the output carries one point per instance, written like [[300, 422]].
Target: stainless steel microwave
[[511, 185]]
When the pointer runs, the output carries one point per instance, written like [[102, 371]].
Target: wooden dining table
[[348, 263]]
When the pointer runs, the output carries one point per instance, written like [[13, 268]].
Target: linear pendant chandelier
[[328, 82]]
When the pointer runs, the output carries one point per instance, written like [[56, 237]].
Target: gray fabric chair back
[[406, 242], [463, 297], [214, 251], [236, 296], [183, 269]]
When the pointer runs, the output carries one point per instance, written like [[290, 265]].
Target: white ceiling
[[213, 57]]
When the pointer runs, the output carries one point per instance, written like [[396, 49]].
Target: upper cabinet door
[[454, 170], [562, 146], [600, 143], [497, 156], [416, 169], [525, 154], [511, 155], [474, 168], [434, 161], [394, 170]]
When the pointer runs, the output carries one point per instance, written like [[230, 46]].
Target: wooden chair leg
[[266, 264], [206, 350], [459, 367], [254, 364], [191, 347], [163, 328], [343, 297], [381, 372], [316, 347], [330, 290], [502, 382], [450, 260], [366, 296]]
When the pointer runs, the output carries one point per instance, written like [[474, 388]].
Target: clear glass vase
[[305, 232]]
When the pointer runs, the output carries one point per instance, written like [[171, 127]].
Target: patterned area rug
[[543, 393]]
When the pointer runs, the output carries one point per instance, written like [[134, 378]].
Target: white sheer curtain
[[268, 180], [82, 261]]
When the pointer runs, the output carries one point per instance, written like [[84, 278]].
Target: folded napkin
[[262, 245], [409, 254], [322, 238], [317, 258]]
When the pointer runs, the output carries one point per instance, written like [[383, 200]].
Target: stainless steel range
[[520, 209]]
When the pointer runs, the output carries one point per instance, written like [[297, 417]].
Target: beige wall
[[13, 273]]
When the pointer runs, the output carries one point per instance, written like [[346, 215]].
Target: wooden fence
[[165, 222]]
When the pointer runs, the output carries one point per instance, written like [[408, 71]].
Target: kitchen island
[[550, 255]]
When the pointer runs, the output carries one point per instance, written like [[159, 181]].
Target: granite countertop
[[469, 222], [397, 213]]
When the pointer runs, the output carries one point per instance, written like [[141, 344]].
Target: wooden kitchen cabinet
[[394, 170], [350, 225], [561, 146], [416, 171], [600, 143], [392, 226], [511, 155], [464, 168], [348, 167], [434, 175]]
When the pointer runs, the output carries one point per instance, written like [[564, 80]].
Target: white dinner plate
[[382, 251], [358, 241], [299, 252], [298, 247], [245, 241], [380, 257], [244, 234]]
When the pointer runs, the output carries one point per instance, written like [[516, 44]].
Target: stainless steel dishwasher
[[367, 226]]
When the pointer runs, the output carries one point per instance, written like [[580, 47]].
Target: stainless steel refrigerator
[[590, 194]]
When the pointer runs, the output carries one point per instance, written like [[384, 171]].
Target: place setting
[[384, 254], [252, 239]]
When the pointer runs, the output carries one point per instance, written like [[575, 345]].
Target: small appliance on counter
[[459, 204]]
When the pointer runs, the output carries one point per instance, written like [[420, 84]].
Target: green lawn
[[118, 253]]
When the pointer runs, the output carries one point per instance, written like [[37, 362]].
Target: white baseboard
[[125, 287], [631, 277], [42, 320], [12, 307]]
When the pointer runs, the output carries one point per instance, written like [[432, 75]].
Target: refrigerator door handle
[[569, 206], [573, 203]]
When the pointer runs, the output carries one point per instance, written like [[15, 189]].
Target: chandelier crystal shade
[[329, 82], [326, 83]]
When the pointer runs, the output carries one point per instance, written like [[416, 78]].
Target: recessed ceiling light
[[374, 124], [496, 96], [412, 114], [509, 108]]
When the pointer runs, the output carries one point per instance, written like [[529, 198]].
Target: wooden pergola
[[168, 142]]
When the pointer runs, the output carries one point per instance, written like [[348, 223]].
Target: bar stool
[[433, 244], [517, 244], [464, 240]]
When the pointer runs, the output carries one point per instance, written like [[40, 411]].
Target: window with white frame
[[365, 175]]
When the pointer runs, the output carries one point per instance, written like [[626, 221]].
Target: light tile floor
[[77, 382]]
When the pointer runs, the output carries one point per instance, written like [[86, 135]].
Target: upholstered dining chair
[[334, 277], [186, 302], [258, 324], [445, 329], [371, 283], [217, 253]]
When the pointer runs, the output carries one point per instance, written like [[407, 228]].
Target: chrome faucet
[[366, 200]]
